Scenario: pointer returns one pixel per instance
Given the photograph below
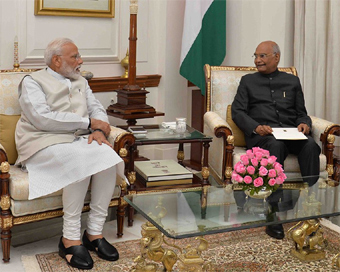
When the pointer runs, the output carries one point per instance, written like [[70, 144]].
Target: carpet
[[246, 250]]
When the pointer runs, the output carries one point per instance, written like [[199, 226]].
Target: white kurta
[[59, 165]]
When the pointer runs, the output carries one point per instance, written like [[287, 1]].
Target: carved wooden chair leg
[[131, 211]]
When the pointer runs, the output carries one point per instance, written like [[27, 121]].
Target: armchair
[[228, 140], [15, 208]]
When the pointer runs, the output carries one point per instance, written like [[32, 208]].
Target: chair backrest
[[222, 83], [10, 109]]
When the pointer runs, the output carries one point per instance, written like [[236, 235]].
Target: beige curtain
[[317, 55]]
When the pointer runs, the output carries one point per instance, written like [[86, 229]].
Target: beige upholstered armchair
[[15, 208], [228, 140]]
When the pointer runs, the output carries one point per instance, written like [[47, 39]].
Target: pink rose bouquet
[[257, 170]]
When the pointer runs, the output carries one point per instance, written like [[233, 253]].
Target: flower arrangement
[[257, 170]]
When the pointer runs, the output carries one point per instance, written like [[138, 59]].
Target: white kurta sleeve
[[34, 105], [94, 107]]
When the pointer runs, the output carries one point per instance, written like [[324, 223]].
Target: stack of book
[[162, 172]]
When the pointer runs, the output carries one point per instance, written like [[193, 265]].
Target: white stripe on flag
[[193, 16]]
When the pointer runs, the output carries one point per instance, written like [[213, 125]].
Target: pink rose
[[248, 179], [278, 168], [258, 182], [272, 173], [263, 171], [264, 162], [240, 168], [250, 154], [272, 182], [236, 177], [258, 155], [251, 170], [244, 159], [254, 162], [283, 176], [279, 180], [265, 153], [256, 149], [272, 159]]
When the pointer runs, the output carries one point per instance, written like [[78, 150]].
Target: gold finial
[[16, 64], [125, 63]]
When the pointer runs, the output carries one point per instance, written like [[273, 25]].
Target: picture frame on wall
[[79, 8]]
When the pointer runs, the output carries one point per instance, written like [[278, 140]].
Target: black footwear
[[81, 257], [275, 231], [102, 247]]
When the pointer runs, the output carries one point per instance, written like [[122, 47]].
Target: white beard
[[68, 72]]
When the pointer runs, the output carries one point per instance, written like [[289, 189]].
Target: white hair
[[276, 49], [55, 48]]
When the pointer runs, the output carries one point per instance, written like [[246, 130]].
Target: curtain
[[317, 55]]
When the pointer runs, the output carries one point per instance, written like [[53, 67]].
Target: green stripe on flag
[[209, 46]]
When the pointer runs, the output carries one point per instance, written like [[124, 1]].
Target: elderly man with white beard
[[57, 103]]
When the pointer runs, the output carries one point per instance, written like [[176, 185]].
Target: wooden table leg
[[180, 154], [205, 168]]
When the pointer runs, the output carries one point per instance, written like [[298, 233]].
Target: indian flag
[[204, 38]]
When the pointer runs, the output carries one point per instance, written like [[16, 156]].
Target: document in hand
[[288, 134]]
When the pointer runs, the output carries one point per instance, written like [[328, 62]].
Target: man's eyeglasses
[[76, 56], [262, 56]]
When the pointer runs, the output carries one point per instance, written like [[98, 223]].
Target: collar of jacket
[[273, 74]]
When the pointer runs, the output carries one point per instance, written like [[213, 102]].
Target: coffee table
[[217, 209]]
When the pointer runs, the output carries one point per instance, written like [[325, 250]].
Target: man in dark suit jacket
[[270, 98]]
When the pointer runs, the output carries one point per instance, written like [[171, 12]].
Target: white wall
[[250, 22], [103, 42]]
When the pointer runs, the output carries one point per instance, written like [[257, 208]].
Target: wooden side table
[[158, 135]]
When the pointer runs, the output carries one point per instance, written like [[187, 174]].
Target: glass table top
[[217, 209], [159, 133]]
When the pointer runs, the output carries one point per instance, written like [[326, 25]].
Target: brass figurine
[[308, 240], [191, 259], [142, 266], [151, 248], [336, 261]]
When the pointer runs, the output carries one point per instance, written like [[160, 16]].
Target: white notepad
[[288, 134]]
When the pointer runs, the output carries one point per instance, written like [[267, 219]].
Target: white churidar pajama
[[73, 199]]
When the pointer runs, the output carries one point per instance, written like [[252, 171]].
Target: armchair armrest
[[2, 153], [216, 124], [325, 131], [121, 140], [221, 161], [319, 126]]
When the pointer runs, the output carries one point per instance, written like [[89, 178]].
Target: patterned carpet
[[246, 250]]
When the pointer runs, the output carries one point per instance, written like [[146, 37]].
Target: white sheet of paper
[[288, 134]]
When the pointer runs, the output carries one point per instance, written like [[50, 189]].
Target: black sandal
[[81, 258], [102, 247]]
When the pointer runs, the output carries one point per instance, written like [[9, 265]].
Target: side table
[[156, 134]]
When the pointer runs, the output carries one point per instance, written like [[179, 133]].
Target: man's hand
[[263, 130], [99, 137], [98, 124], [304, 128]]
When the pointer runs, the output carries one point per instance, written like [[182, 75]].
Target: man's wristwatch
[[97, 129]]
